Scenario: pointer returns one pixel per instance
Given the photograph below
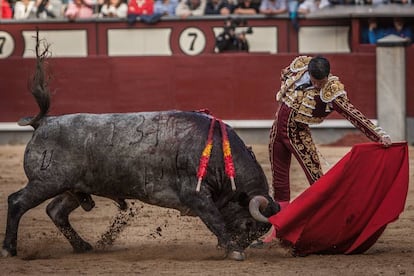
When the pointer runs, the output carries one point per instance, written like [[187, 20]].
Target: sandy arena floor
[[161, 242]]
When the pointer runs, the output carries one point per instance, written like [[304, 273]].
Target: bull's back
[[115, 149]]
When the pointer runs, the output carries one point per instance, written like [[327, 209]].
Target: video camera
[[232, 23], [229, 39]]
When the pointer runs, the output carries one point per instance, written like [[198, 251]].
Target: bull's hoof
[[237, 255], [85, 201], [6, 253], [87, 204], [122, 205]]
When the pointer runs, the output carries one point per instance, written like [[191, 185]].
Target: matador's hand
[[386, 140]]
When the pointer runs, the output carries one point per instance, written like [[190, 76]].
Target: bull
[[149, 156]]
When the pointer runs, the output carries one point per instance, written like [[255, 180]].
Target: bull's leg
[[18, 204], [204, 207], [58, 210], [212, 218]]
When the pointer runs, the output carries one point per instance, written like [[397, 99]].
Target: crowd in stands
[[376, 30], [152, 10]]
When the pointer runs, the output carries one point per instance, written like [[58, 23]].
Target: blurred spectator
[[398, 28], [187, 8], [79, 9], [57, 8], [374, 31], [140, 7], [221, 7], [342, 2], [400, 1], [44, 9], [232, 4], [114, 9], [272, 7], [309, 6], [6, 10], [165, 7], [24, 9], [28, 9], [371, 26], [97, 5], [293, 11], [142, 10], [370, 2], [247, 7]]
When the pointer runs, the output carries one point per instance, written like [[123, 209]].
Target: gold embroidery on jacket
[[305, 148], [308, 120], [332, 89], [304, 103], [353, 115], [272, 136], [291, 74], [307, 103], [300, 63]]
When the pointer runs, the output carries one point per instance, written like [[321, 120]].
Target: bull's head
[[247, 220]]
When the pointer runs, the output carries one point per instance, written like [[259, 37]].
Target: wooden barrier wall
[[107, 66]]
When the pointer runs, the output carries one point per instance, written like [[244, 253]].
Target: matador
[[307, 95]]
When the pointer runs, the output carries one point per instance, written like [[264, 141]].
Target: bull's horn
[[255, 204]]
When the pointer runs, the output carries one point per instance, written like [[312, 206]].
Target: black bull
[[150, 156]]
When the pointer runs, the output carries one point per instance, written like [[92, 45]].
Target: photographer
[[230, 40]]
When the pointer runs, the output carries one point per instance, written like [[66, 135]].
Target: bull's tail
[[39, 86]]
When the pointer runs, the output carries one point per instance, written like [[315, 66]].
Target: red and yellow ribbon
[[228, 158], [205, 155]]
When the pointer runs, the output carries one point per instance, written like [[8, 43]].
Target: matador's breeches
[[289, 137]]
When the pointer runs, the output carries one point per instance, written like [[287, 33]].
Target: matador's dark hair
[[319, 67]]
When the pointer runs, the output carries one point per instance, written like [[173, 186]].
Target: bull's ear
[[243, 199]]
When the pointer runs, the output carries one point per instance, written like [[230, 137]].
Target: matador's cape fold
[[347, 209]]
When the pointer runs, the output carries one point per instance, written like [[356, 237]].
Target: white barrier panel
[[333, 39], [143, 42], [63, 43]]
